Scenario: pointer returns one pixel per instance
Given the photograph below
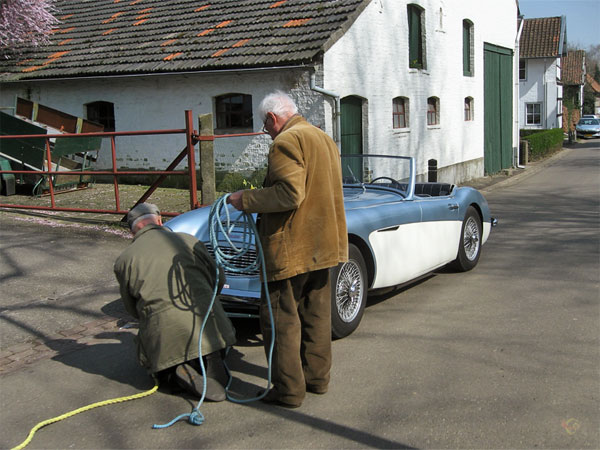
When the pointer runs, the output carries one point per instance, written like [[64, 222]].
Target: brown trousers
[[302, 317]]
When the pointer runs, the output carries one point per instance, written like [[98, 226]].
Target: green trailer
[[76, 154]]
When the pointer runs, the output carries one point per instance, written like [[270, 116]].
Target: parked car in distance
[[590, 116], [588, 127], [398, 231]]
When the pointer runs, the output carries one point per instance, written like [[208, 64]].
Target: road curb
[[527, 171]]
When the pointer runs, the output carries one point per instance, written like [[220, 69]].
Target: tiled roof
[[589, 79], [571, 70], [110, 37], [541, 38]]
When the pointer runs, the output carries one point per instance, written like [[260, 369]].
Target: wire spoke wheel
[[469, 248], [349, 291], [471, 239]]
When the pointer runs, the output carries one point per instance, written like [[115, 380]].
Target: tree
[[589, 98], [25, 23], [592, 59]]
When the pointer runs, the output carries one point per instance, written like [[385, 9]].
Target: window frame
[[230, 119], [416, 36], [468, 31], [469, 111], [523, 69], [433, 116], [101, 112], [400, 119], [533, 114]]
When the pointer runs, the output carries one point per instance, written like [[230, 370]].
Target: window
[[234, 112], [533, 114], [468, 108], [468, 48], [433, 111], [102, 113], [522, 69], [416, 37], [400, 112]]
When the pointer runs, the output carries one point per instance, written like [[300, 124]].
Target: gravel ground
[[98, 196]]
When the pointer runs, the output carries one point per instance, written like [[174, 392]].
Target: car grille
[[238, 261]]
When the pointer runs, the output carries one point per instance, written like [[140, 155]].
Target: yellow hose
[[85, 408]]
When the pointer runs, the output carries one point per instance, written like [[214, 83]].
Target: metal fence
[[192, 138]]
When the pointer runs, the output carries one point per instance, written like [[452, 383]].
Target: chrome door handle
[[452, 206]]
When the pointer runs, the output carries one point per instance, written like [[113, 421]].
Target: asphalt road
[[505, 356]]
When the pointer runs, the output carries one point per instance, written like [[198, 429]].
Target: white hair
[[278, 103]]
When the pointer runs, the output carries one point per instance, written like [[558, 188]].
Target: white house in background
[[542, 44], [433, 79]]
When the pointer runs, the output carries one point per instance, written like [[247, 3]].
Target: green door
[[352, 136], [498, 108]]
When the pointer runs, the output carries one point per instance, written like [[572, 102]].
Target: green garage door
[[352, 135], [498, 108]]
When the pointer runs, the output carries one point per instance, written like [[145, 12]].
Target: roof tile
[[572, 68], [541, 38], [109, 37]]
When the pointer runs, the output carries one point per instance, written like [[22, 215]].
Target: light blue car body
[[401, 231]]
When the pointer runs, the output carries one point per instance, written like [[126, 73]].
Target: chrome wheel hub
[[471, 239], [349, 291]]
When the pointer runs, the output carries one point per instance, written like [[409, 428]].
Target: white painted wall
[[159, 102], [541, 87], [370, 61], [379, 38]]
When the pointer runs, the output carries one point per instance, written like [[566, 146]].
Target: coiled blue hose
[[221, 225]]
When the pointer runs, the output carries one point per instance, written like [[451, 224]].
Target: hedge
[[543, 143]]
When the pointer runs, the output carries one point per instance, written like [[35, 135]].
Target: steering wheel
[[384, 178]]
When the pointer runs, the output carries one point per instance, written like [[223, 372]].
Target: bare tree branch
[[25, 23]]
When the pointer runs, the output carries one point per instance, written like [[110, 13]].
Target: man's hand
[[236, 200]]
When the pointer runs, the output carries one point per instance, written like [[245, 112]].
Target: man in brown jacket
[[303, 233]]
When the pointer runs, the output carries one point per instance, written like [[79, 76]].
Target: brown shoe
[[273, 398], [215, 368], [193, 382], [316, 389]]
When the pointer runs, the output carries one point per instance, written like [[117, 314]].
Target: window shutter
[[466, 47], [414, 38]]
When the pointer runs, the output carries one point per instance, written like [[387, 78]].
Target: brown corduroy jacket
[[302, 220]]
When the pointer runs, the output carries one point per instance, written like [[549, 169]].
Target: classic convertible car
[[398, 230]]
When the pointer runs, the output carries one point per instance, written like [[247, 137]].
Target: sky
[[583, 18]]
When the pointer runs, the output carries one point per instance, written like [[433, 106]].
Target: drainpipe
[[518, 52], [336, 110]]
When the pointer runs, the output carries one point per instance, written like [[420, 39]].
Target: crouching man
[[166, 281]]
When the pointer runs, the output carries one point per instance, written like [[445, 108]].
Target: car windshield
[[377, 170], [589, 122]]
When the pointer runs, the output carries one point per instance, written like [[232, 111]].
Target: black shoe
[[272, 398], [193, 382]]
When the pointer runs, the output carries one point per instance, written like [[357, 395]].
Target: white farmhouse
[[542, 45], [433, 79]]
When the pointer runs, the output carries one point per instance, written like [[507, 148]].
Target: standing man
[[166, 281], [302, 230]]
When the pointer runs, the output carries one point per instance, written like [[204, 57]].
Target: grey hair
[[278, 103], [144, 217]]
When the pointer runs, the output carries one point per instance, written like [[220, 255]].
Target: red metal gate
[[192, 138]]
